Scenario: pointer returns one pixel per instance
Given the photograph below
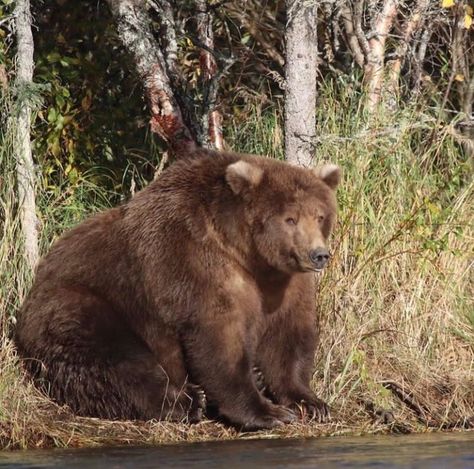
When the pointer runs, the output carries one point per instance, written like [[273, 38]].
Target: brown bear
[[203, 275]]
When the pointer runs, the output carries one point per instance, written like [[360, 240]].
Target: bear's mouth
[[302, 266]]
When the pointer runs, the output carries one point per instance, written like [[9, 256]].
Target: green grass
[[397, 299]]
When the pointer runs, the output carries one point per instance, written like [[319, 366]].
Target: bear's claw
[[259, 379], [198, 403], [314, 409]]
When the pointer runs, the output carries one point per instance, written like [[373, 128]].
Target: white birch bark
[[374, 72], [300, 90], [134, 29], [25, 166]]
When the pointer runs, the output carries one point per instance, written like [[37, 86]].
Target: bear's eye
[[291, 221], [320, 218]]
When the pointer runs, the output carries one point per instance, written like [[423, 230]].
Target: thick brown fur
[[199, 277]]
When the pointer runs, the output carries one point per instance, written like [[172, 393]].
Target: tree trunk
[[211, 119], [25, 166], [300, 72], [411, 26], [374, 72], [134, 28]]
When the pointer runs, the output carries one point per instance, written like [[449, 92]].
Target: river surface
[[452, 450]]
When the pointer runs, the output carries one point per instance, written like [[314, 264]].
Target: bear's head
[[289, 210]]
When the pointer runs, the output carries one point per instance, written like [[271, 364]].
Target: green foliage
[[93, 120]]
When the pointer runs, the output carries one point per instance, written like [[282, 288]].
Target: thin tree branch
[[352, 40], [250, 23], [412, 24], [357, 21]]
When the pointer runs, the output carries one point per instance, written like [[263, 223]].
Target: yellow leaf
[[86, 102], [469, 10], [467, 21], [447, 3], [459, 77]]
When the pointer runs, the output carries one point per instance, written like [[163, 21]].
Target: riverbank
[[30, 420], [397, 300]]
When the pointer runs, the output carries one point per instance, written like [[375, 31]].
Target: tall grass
[[396, 302], [398, 299]]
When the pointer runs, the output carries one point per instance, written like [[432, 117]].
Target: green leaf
[[245, 39], [53, 57], [52, 115]]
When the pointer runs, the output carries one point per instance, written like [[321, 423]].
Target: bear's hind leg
[[83, 353]]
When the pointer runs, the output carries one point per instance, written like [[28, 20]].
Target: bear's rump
[[84, 355]]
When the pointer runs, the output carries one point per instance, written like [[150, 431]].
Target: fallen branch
[[423, 414]]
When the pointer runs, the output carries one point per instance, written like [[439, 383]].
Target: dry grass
[[397, 300]]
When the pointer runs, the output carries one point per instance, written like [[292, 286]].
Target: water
[[454, 450]]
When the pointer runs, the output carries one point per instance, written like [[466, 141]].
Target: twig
[[251, 25], [354, 43], [7, 19], [411, 25], [409, 401], [419, 60], [423, 415], [357, 21]]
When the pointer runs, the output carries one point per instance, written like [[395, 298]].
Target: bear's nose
[[319, 257]]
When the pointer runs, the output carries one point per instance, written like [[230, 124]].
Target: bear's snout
[[319, 257]]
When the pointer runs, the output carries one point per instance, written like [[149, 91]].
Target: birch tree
[[211, 122], [25, 166], [374, 71], [300, 87], [154, 67], [182, 118]]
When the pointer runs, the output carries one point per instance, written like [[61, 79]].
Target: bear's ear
[[241, 175], [329, 173]]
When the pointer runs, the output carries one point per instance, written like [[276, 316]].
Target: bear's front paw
[[275, 416], [313, 409], [282, 413], [198, 403]]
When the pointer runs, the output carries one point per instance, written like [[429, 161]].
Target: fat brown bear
[[203, 275]]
